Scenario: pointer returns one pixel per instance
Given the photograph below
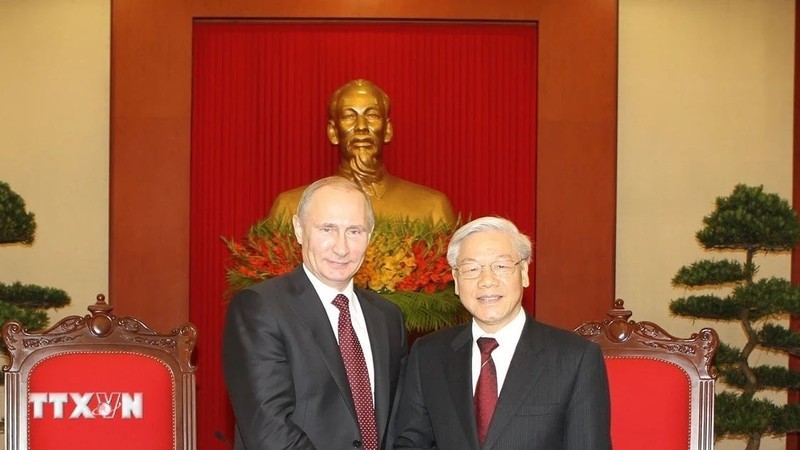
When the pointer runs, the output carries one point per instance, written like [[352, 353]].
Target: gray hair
[[339, 183], [520, 242]]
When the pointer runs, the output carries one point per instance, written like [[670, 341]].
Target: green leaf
[[769, 377], [707, 272], [738, 416], [768, 297], [707, 307], [787, 420], [419, 278], [32, 296], [727, 355], [751, 219], [779, 338], [17, 226], [31, 319], [426, 312]]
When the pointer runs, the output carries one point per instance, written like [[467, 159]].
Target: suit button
[[356, 444]]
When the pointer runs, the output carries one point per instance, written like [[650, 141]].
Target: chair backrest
[[662, 387], [99, 381]]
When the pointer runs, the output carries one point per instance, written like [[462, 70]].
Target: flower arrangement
[[406, 262]]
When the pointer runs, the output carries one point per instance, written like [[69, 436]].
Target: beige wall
[[54, 109], [705, 102]]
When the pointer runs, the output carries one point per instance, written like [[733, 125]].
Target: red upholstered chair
[[99, 381], [662, 387]]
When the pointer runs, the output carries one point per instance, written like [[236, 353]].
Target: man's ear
[[298, 229], [389, 133], [455, 280], [332, 133], [525, 277]]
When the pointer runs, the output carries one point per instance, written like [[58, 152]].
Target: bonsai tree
[[26, 304], [744, 225]]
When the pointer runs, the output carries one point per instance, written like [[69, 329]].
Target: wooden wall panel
[[793, 439], [150, 143]]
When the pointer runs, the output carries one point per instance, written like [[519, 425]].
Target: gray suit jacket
[[284, 373], [554, 397]]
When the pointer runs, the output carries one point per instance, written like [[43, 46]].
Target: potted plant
[[25, 303], [406, 262], [745, 225]]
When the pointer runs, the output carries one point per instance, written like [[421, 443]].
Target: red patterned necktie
[[486, 389], [357, 375]]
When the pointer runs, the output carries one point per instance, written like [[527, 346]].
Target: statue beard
[[364, 168]]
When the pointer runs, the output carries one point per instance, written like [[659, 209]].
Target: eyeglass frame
[[483, 267]]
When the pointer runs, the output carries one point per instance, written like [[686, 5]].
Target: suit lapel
[[309, 310], [379, 339], [458, 373], [523, 373]]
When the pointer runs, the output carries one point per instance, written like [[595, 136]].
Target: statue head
[[359, 125]]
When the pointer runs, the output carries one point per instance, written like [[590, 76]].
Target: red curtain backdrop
[[464, 112]]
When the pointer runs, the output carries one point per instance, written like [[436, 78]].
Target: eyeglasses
[[500, 269]]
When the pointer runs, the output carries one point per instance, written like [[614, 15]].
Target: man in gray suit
[[503, 381], [310, 361]]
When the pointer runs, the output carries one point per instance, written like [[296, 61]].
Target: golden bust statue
[[359, 126]]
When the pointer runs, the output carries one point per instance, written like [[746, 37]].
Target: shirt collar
[[509, 333], [327, 293]]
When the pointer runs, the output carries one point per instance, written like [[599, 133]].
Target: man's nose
[[361, 122], [487, 277], [340, 247]]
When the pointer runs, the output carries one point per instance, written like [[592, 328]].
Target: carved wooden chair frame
[[100, 331], [620, 337]]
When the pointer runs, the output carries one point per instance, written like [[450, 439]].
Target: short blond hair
[[338, 182]]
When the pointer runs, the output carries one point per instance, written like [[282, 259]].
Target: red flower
[[270, 249]]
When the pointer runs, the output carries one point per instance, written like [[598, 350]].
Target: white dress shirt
[[507, 339], [326, 295]]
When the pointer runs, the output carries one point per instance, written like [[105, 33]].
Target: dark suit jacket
[[284, 373], [554, 397]]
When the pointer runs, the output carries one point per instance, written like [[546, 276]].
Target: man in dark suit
[[503, 381], [310, 361]]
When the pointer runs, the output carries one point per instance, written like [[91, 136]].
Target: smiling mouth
[[489, 298]]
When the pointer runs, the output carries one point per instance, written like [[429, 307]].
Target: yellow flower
[[402, 255]]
